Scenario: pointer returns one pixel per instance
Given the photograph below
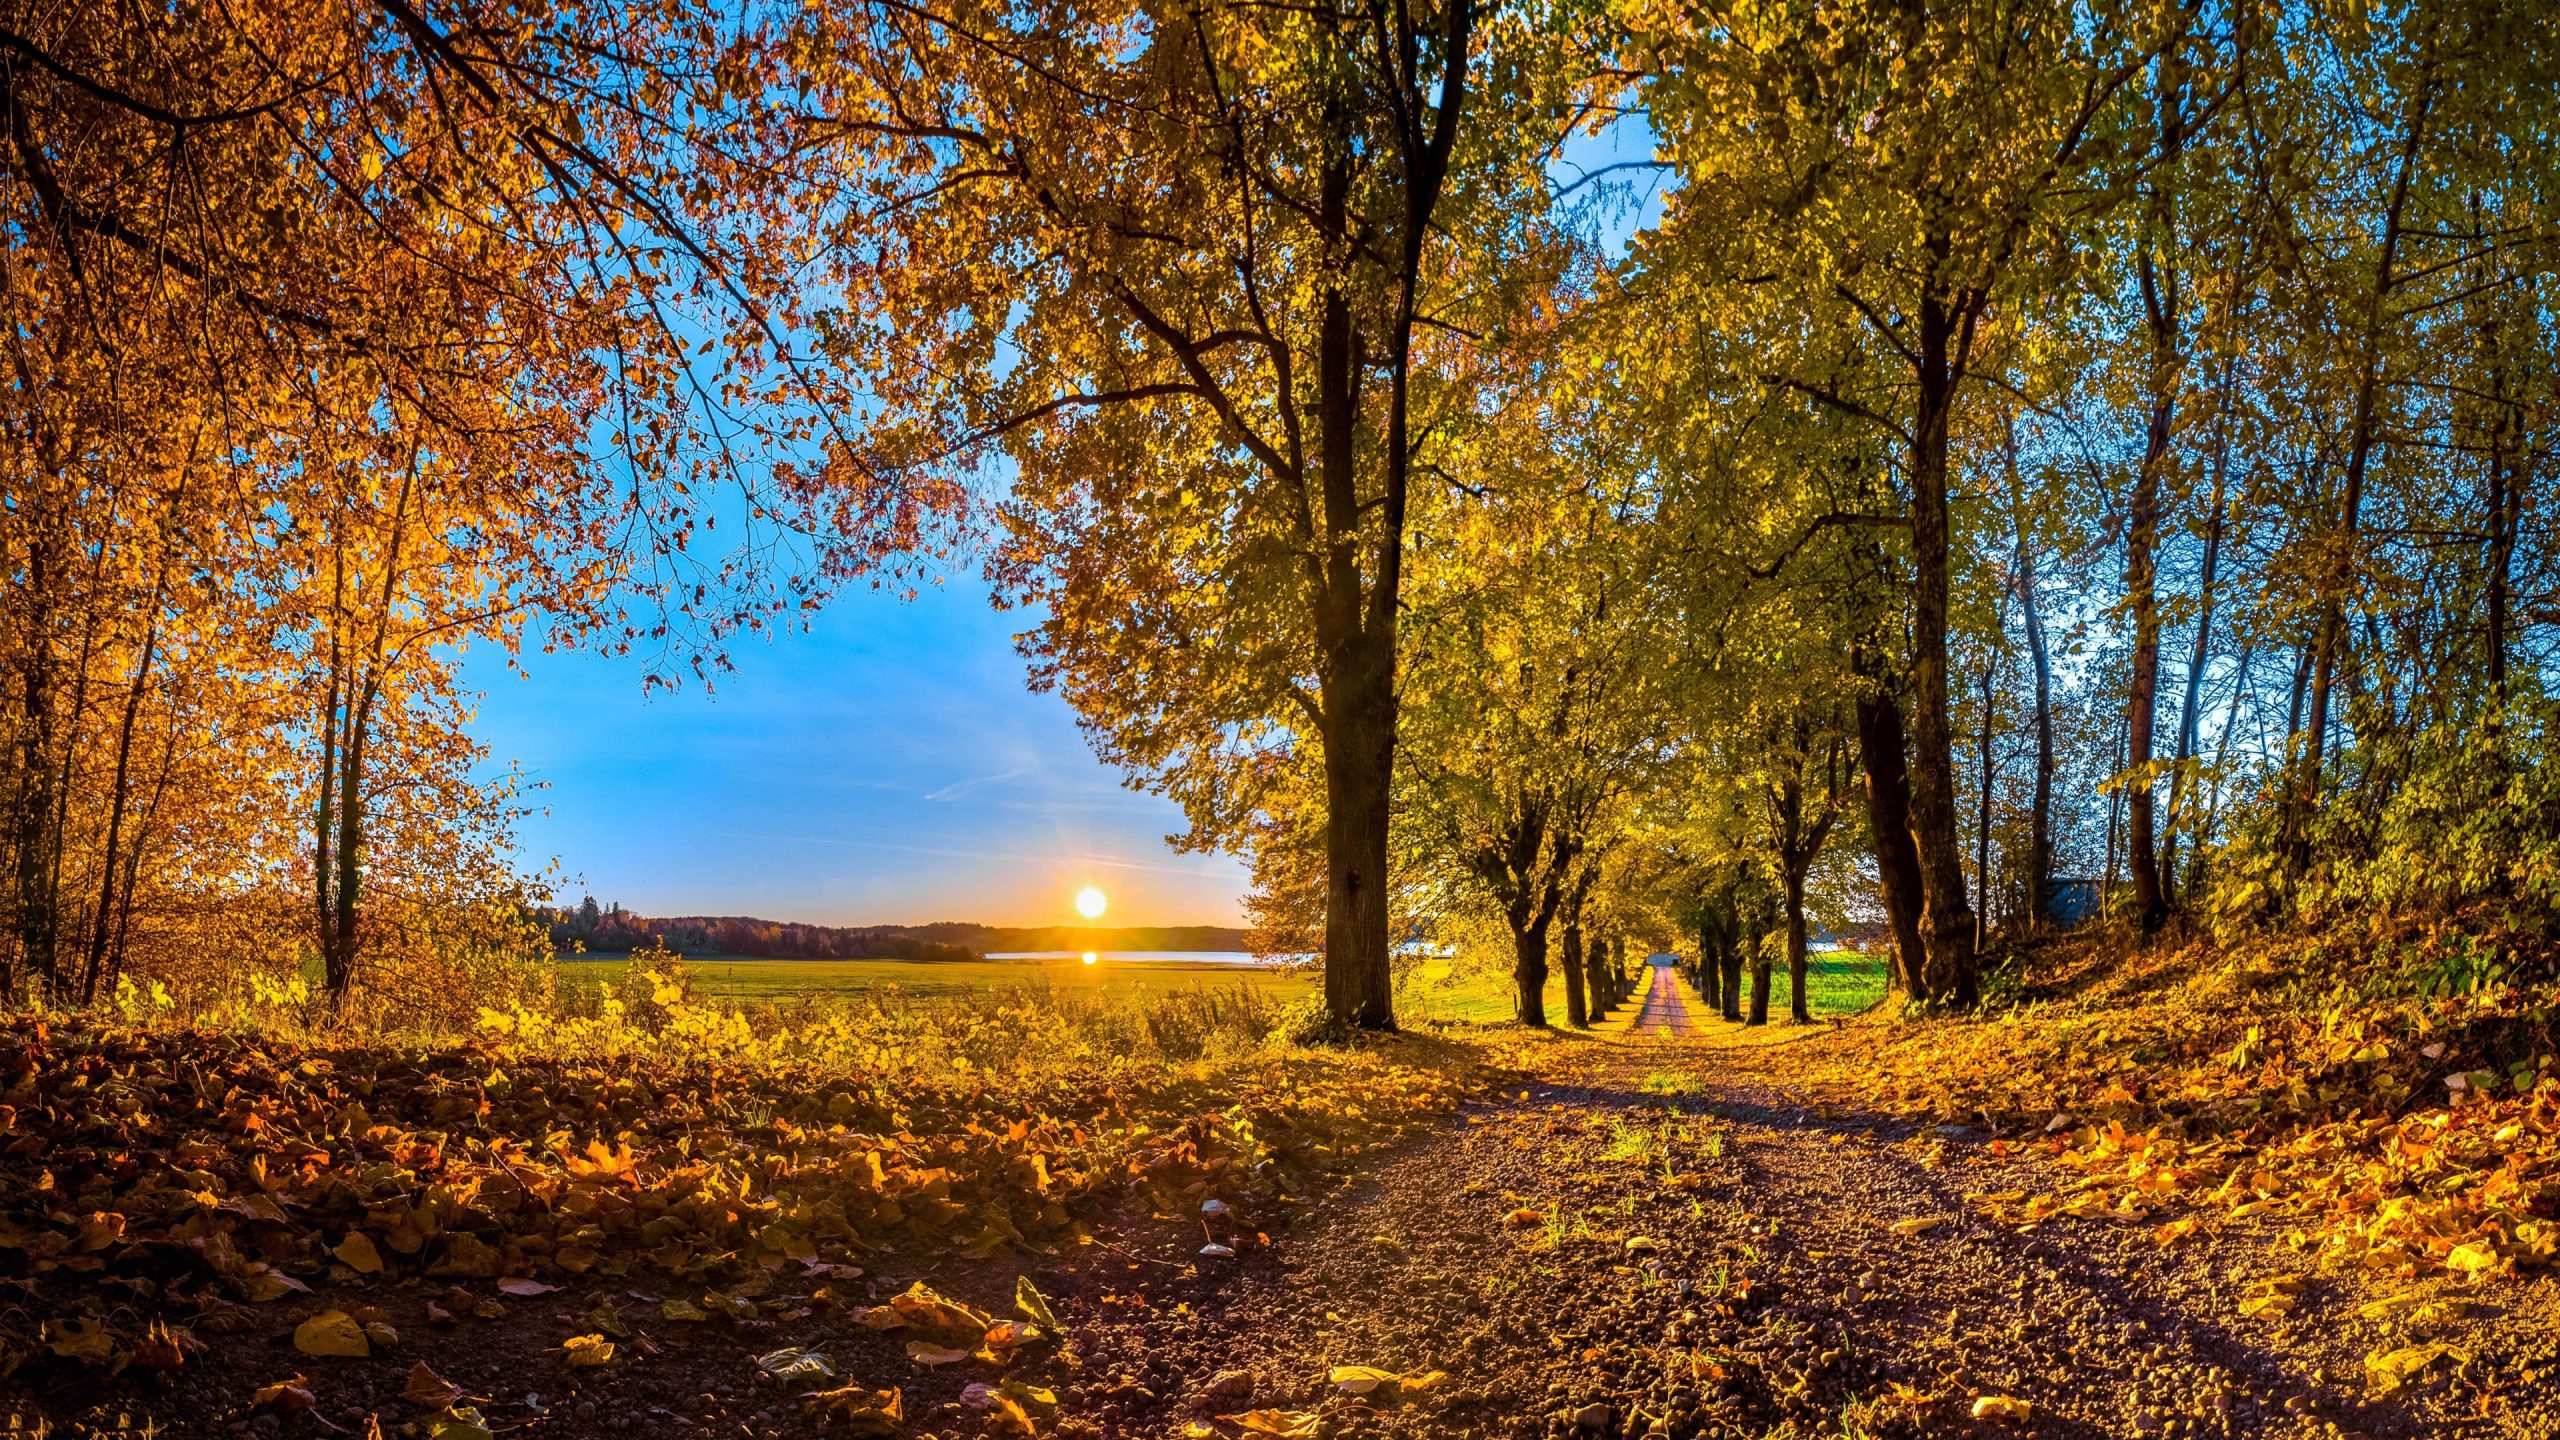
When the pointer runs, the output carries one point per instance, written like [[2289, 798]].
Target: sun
[[1090, 903]]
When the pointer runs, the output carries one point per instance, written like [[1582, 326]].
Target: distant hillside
[[613, 930]]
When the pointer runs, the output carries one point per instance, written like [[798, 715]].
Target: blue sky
[[892, 766]]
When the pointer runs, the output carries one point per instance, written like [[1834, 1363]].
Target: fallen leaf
[[357, 1253], [791, 1363], [1035, 1307], [2389, 1305], [926, 1353], [2388, 1370], [428, 1388], [2276, 1294], [1383, 1385], [462, 1422], [2472, 1259], [1359, 1379], [1919, 1226], [682, 1311], [921, 1307], [1007, 1335], [524, 1288], [1283, 1424], [292, 1394], [860, 1409], [79, 1339], [586, 1352], [2001, 1407], [1523, 1218], [1036, 1398], [1003, 1412], [332, 1333]]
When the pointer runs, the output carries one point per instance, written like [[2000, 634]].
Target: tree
[[1900, 172], [1807, 783], [1205, 293], [502, 231], [1537, 716]]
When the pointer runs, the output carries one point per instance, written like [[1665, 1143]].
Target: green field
[[732, 977], [1836, 983]]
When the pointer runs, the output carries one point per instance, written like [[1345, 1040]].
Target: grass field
[[1838, 983], [733, 977]]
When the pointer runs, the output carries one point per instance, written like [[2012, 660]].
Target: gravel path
[[1654, 1240], [1666, 1009]]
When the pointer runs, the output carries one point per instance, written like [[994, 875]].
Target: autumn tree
[[1198, 292], [544, 242], [1538, 719], [1900, 172]]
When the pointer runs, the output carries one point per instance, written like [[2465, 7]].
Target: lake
[[738, 977], [1136, 957]]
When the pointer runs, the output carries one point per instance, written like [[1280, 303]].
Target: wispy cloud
[[963, 789]]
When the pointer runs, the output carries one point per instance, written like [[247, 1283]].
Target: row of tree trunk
[[1735, 921], [1596, 978]]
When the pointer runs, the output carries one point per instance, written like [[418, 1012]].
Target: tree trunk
[[2504, 497], [339, 963], [2221, 750], [1576, 1013], [1946, 921], [1529, 973], [2040, 809], [133, 859], [2115, 818], [1359, 985], [1728, 961], [2161, 305], [33, 837], [1759, 985], [2039, 878], [1982, 825], [102, 924], [1889, 822], [2142, 693], [1710, 967], [1359, 754], [1797, 959], [1356, 671], [2181, 781], [2329, 636]]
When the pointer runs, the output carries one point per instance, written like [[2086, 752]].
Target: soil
[[1648, 1233]]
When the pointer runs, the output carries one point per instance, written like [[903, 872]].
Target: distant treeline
[[610, 928]]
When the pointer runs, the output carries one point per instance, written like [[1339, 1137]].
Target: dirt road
[[1653, 1240]]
